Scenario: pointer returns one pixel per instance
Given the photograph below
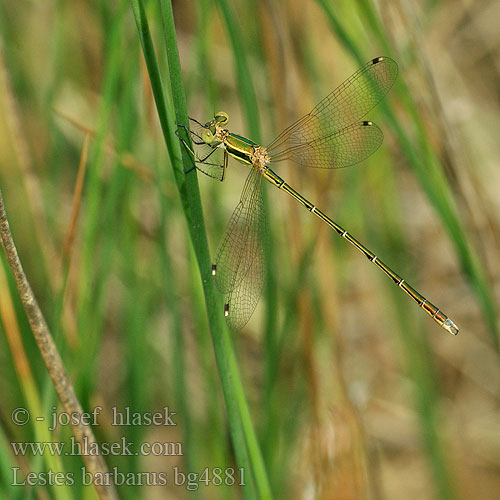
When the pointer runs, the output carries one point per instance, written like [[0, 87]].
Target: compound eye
[[222, 118], [207, 136]]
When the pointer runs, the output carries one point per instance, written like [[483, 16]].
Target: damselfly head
[[208, 134], [213, 131], [221, 118]]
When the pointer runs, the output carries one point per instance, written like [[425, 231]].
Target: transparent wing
[[240, 303], [346, 105], [242, 237], [340, 149], [239, 262], [213, 166]]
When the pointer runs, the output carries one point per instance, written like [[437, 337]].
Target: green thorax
[[239, 147]]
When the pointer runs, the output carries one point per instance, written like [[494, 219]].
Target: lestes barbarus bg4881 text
[[332, 135]]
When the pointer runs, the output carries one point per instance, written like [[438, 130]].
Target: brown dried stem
[[62, 384]]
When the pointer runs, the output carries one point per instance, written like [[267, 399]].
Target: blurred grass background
[[354, 392]]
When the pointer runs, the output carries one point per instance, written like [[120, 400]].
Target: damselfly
[[332, 135]]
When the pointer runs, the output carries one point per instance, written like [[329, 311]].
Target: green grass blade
[[189, 192], [201, 249], [243, 74]]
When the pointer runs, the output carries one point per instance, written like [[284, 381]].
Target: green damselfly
[[332, 135]]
